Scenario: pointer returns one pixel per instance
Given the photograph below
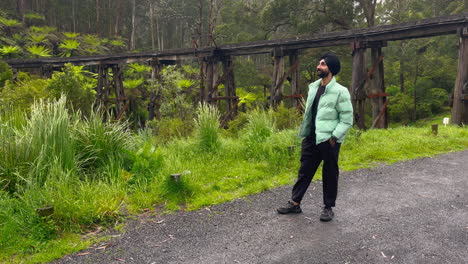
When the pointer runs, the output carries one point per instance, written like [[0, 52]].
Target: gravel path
[[409, 212]]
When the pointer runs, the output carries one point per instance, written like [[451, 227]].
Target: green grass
[[96, 173]]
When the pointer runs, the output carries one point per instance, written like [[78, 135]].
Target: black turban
[[332, 62]]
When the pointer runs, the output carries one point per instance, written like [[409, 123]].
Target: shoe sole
[[289, 212]]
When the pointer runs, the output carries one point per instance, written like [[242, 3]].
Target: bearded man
[[327, 118]]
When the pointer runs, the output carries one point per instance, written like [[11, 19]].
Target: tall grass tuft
[[207, 127], [45, 139], [101, 144], [260, 126]]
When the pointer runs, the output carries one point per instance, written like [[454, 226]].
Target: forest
[[95, 166]]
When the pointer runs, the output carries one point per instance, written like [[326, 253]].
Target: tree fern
[[71, 35], [69, 46], [9, 52], [39, 51]]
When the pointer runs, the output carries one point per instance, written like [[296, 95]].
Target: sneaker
[[327, 214], [290, 209]]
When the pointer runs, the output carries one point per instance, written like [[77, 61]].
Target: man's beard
[[322, 74]]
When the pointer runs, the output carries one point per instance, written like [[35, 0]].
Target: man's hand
[[332, 141]]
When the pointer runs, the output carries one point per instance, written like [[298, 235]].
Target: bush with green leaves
[[286, 118], [23, 92], [167, 129], [6, 74], [77, 84]]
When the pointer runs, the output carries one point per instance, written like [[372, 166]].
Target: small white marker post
[[445, 121]]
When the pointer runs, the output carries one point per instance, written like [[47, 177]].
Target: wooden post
[[358, 94], [154, 102], [118, 88], [295, 89], [276, 89], [230, 87], [377, 88], [212, 72], [46, 71], [203, 67], [460, 93], [102, 89]]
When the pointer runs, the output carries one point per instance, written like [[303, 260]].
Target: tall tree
[[132, 34]]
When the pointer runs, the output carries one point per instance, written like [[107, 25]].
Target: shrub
[[286, 117], [167, 129], [76, 85]]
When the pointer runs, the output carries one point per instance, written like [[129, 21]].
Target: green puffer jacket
[[334, 112]]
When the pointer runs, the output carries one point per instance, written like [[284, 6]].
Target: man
[[327, 119]]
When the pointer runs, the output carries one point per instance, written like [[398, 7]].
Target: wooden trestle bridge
[[211, 58]]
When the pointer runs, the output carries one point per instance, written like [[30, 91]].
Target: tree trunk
[[402, 76], [97, 17], [73, 16], [132, 36], [20, 9], [118, 9], [200, 24], [151, 24], [460, 93], [415, 98]]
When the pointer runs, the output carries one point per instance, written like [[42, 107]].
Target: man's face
[[322, 69]]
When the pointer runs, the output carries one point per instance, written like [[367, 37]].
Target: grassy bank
[[95, 173]]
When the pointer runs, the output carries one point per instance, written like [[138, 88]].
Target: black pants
[[311, 156]]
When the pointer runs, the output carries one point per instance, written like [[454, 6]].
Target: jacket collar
[[330, 84]]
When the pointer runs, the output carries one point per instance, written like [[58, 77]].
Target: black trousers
[[311, 157]]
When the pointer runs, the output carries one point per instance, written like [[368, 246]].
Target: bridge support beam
[[294, 75], [377, 88], [276, 89], [460, 93], [358, 79], [230, 88], [102, 89], [154, 104], [211, 78], [120, 99]]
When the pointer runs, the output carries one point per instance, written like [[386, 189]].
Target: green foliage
[[132, 83], [101, 143], [74, 82], [22, 94], [37, 37], [401, 108], [185, 83], [260, 126], [6, 74], [207, 127], [68, 46], [9, 22], [71, 35], [139, 68], [167, 129], [43, 29], [286, 118], [34, 16], [10, 52], [147, 162], [38, 51]]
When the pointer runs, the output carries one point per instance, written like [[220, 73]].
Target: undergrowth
[[95, 173]]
